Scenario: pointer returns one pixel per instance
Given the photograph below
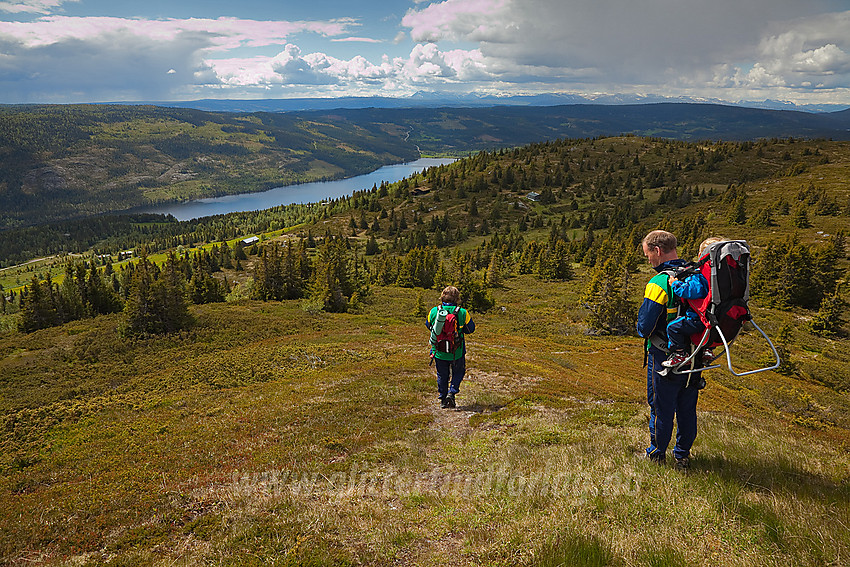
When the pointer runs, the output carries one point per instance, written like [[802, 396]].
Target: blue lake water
[[303, 193]]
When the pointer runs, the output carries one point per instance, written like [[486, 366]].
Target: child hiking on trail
[[680, 329], [448, 324]]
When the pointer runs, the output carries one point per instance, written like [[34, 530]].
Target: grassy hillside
[[275, 433], [270, 435]]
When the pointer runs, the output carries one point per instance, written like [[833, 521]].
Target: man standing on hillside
[[668, 395], [448, 323]]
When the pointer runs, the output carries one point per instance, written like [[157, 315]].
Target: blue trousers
[[669, 397], [679, 332], [450, 375]]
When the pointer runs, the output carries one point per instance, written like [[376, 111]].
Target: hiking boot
[[707, 356], [657, 459], [450, 401], [444, 402], [676, 358], [683, 464]]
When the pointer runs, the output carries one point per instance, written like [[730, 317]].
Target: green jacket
[[659, 304], [465, 325]]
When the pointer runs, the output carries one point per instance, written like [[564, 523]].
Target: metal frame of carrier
[[715, 254]]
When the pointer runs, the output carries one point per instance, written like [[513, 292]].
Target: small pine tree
[[786, 365], [827, 321], [419, 310], [372, 247], [156, 302], [554, 262], [839, 241], [801, 218], [38, 306], [762, 219], [612, 312], [493, 277], [738, 212]]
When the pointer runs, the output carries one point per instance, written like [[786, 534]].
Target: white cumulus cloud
[[653, 44], [725, 49], [469, 20], [32, 6], [108, 58], [425, 64]]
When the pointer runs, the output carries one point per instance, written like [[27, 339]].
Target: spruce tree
[[827, 321], [102, 296], [372, 247], [282, 271], [801, 218], [474, 294], [38, 306], [738, 212], [73, 292], [335, 279], [141, 311], [172, 287], [611, 311], [786, 365], [268, 277], [493, 277], [156, 302]]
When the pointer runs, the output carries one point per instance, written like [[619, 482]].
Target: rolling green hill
[[63, 162], [274, 432]]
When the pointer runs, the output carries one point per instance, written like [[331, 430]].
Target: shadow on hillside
[[758, 473]]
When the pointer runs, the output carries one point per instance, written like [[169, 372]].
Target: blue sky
[[731, 50]]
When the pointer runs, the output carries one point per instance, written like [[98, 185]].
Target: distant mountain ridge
[[467, 129], [552, 116], [432, 100]]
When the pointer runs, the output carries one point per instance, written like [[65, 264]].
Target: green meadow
[[268, 434]]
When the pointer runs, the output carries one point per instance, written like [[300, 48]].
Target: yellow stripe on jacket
[[656, 293]]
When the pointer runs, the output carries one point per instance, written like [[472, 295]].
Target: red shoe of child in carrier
[[675, 359]]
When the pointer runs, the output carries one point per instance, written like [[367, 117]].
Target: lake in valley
[[303, 193]]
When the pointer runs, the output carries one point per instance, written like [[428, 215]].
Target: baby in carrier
[[680, 329]]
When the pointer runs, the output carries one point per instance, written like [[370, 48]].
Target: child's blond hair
[[450, 295], [708, 242]]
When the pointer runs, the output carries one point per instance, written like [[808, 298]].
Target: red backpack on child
[[448, 339]]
